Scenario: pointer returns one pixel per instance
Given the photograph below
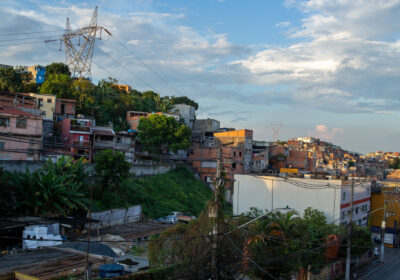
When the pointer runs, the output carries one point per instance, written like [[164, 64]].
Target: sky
[[323, 68]]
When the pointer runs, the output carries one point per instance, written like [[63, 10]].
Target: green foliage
[[57, 68], [10, 80], [57, 189], [288, 241], [163, 104], [360, 241], [395, 163], [177, 190], [112, 168], [160, 131], [7, 193], [57, 84], [183, 100]]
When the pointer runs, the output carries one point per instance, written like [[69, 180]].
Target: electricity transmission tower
[[79, 45], [276, 127]]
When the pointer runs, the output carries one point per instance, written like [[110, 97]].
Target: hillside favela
[[214, 139]]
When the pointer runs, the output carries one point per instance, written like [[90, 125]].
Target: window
[[357, 210], [48, 100], [234, 165], [344, 196], [240, 154], [234, 154], [5, 122], [40, 102], [2, 145], [30, 152], [31, 142], [62, 108], [21, 123]]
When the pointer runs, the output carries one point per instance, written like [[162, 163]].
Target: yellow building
[[37, 72], [390, 191], [46, 103]]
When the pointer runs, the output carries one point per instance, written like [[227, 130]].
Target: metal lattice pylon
[[79, 45]]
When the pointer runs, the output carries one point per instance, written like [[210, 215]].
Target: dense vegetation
[[57, 189], [104, 101], [159, 132], [63, 188], [177, 190], [281, 243]]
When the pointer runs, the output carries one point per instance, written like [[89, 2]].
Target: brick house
[[77, 137]]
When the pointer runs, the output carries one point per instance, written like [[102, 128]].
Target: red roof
[[16, 112]]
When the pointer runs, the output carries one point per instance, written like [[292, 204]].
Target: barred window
[[5, 122], [21, 123]]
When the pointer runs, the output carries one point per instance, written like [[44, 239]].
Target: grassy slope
[[177, 190]]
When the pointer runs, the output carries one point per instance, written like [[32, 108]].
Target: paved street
[[391, 268]]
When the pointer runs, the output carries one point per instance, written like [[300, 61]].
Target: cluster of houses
[[40, 126]]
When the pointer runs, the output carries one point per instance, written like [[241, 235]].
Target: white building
[[306, 139], [269, 193], [187, 112]]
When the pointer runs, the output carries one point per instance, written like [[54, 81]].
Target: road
[[390, 269]]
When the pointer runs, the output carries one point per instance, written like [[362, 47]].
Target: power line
[[126, 69], [25, 33], [147, 66]]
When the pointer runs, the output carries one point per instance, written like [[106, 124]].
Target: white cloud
[[349, 56], [323, 132], [283, 24]]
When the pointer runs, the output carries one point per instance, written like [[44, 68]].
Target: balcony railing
[[80, 128]]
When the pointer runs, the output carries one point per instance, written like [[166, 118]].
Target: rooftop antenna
[[78, 55]]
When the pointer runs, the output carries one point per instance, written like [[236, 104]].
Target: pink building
[[65, 107], [20, 134], [76, 136]]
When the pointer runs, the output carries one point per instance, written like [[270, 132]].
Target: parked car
[[168, 220], [182, 217]]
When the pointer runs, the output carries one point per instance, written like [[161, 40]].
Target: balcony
[[80, 128], [81, 144]]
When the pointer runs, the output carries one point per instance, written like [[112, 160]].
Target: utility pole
[[350, 225], [383, 229], [88, 264], [214, 214]]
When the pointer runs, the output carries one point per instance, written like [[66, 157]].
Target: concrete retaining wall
[[139, 167]]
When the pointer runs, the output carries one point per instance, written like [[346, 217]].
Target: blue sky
[[324, 68]]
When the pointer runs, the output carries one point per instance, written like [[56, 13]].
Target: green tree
[[10, 80], [59, 85], [57, 68], [59, 188], [159, 131], [82, 90], [184, 100], [112, 168], [163, 104]]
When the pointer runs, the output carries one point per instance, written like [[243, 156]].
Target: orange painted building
[[236, 147]]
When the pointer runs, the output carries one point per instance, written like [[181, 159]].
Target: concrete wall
[[139, 168], [269, 193]]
